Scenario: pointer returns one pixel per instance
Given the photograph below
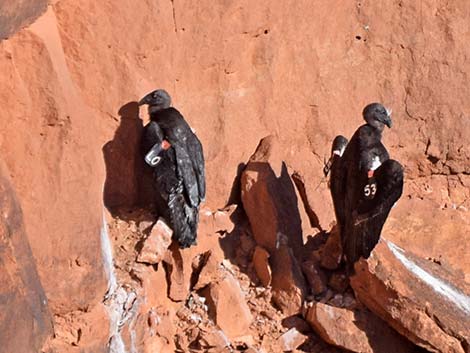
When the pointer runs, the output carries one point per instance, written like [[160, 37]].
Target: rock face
[[417, 278], [25, 321], [66, 77], [50, 152], [439, 235], [420, 300], [357, 331], [269, 198], [18, 13]]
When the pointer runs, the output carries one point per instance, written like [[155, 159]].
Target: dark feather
[[177, 176], [361, 219], [190, 157], [368, 220], [337, 183]]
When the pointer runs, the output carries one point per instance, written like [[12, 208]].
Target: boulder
[[261, 265], [210, 270], [228, 306], [357, 331], [269, 197], [291, 339], [417, 297], [288, 283], [178, 273], [156, 244], [432, 233], [332, 251], [315, 277]]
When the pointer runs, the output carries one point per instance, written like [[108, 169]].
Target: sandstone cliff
[[300, 71]]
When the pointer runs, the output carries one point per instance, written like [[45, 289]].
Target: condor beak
[[145, 100]]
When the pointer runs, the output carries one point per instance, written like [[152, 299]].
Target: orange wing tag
[[166, 145]]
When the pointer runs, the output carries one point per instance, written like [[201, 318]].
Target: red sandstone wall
[[301, 70], [18, 13]]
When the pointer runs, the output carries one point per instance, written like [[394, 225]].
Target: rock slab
[[422, 301], [156, 244], [25, 321], [358, 331], [229, 307], [17, 13], [269, 197]]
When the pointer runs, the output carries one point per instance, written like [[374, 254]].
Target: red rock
[[77, 329], [23, 307], [223, 219], [220, 221], [61, 67], [261, 265], [230, 310], [269, 197], [315, 277], [296, 322], [418, 298], [156, 344], [332, 251], [357, 331], [145, 227], [247, 243], [288, 283], [61, 166], [309, 217], [19, 13], [210, 272], [214, 340], [430, 232], [253, 350], [156, 244], [291, 339], [177, 274], [339, 282]]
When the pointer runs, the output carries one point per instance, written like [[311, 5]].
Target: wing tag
[[152, 158], [370, 189]]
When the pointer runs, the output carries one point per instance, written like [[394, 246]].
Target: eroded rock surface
[[355, 330], [415, 296], [66, 78], [232, 314], [25, 320], [18, 13], [269, 198], [155, 246]]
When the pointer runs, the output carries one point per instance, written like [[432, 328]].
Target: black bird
[[365, 184], [176, 155], [334, 167]]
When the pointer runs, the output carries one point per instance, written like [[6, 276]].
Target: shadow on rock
[[235, 193], [266, 243], [128, 180]]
